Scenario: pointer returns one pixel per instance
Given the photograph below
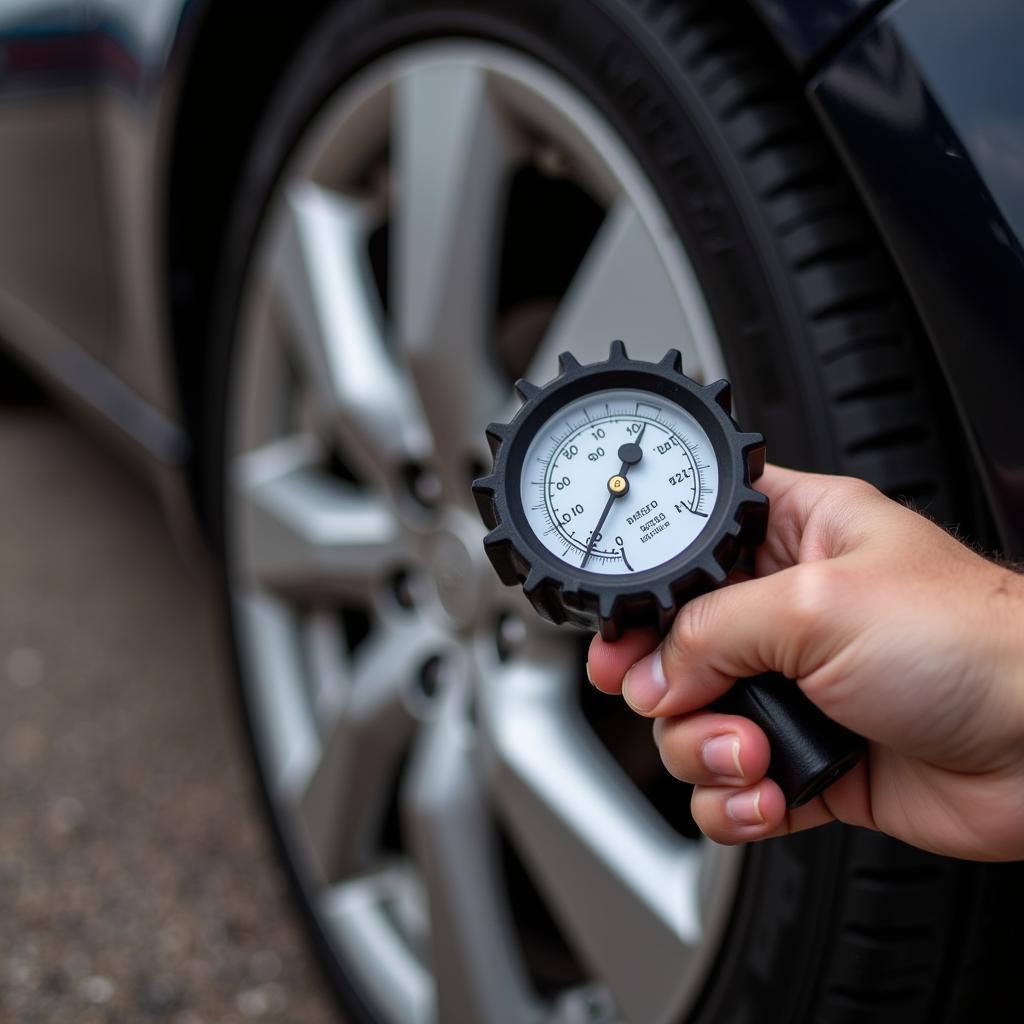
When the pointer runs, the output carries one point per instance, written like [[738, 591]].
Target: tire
[[838, 925], [17, 386]]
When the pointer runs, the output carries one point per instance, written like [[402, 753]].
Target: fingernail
[[590, 678], [721, 755], [644, 684], [745, 808]]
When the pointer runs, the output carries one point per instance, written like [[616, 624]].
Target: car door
[[55, 283]]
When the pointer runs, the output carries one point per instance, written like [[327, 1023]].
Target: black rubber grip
[[809, 750]]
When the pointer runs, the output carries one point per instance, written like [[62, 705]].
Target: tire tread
[[889, 950]]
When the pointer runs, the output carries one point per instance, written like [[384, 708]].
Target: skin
[[887, 623]]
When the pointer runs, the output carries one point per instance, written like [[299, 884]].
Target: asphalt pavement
[[137, 880]]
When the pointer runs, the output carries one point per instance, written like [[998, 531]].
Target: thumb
[[778, 623]]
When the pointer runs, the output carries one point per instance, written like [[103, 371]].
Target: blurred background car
[[293, 256]]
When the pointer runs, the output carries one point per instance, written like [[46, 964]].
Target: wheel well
[[233, 64], [231, 69]]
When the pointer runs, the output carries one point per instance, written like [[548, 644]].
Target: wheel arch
[[216, 114]]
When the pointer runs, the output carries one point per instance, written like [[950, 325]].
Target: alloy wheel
[[448, 800]]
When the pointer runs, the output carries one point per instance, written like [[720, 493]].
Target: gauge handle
[[808, 750]]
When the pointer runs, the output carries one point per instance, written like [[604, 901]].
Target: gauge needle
[[631, 454]]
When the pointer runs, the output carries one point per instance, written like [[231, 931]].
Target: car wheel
[[441, 198]]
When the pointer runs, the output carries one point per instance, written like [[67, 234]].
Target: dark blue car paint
[[805, 29], [927, 109], [920, 101]]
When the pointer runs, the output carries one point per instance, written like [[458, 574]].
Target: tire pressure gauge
[[621, 490]]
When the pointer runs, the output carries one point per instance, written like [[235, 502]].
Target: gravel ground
[[137, 882]]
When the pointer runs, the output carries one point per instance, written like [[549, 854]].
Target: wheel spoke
[[623, 289], [363, 912], [327, 304], [474, 956], [453, 153], [307, 534], [273, 666], [623, 884], [324, 644], [345, 794]]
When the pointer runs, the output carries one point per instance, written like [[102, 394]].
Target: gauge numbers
[[572, 486]]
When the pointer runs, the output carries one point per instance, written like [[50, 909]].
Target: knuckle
[[814, 595], [658, 730], [847, 490], [814, 587], [683, 641], [702, 810], [854, 488], [671, 763], [666, 737]]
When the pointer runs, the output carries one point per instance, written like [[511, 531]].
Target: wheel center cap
[[457, 577]]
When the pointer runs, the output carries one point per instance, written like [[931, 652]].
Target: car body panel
[[84, 99], [804, 29], [926, 109], [50, 182]]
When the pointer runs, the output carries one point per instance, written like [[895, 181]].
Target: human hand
[[894, 629]]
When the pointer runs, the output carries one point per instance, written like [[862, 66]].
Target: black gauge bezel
[[614, 602]]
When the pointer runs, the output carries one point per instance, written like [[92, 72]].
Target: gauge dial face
[[619, 481]]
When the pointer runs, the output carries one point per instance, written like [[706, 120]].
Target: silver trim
[[45, 348]]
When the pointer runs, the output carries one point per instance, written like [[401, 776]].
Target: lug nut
[[424, 485], [511, 632], [430, 678], [401, 588]]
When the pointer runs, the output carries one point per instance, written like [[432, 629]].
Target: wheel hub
[[459, 573]]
